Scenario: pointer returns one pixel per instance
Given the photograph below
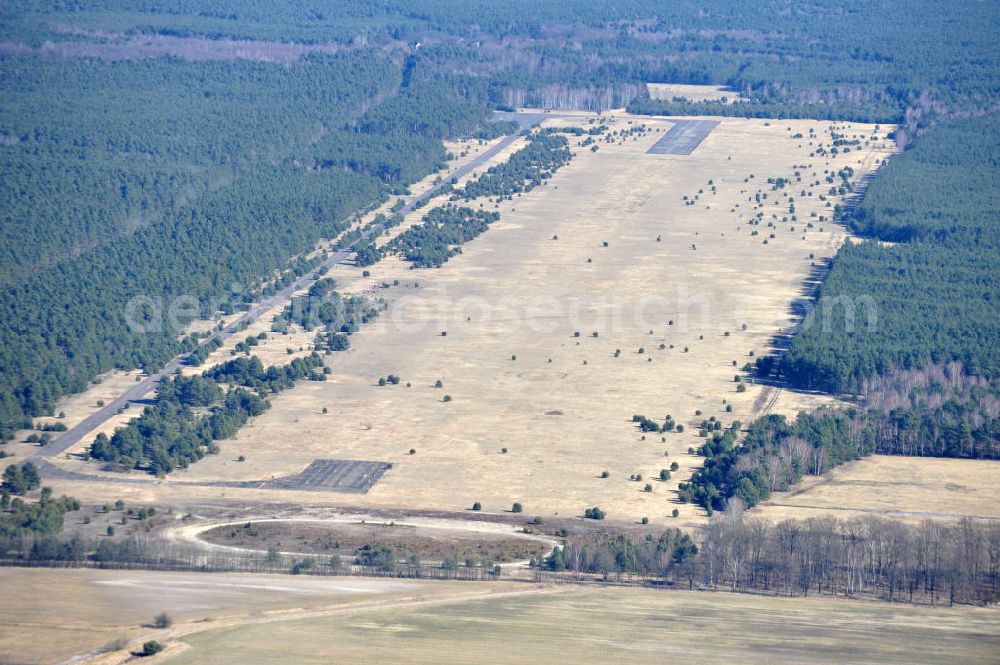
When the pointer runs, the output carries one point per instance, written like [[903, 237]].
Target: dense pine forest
[[887, 57], [170, 165], [183, 179], [936, 294]]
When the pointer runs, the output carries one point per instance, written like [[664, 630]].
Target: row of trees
[[883, 110], [142, 552], [931, 562], [172, 433], [250, 373], [526, 169], [440, 235], [613, 556]]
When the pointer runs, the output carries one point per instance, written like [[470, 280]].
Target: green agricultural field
[[618, 626]]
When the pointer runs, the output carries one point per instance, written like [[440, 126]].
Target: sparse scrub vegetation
[[170, 433]]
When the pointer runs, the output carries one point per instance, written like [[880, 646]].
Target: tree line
[[614, 555], [176, 431], [139, 552], [439, 235], [930, 562], [887, 111], [526, 169]]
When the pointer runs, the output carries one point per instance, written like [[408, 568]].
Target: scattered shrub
[[151, 648]]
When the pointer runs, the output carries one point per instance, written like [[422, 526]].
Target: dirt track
[[191, 534]]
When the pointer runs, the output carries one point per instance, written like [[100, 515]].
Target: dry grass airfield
[[562, 409]]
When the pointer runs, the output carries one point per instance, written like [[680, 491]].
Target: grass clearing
[[692, 93], [909, 487]]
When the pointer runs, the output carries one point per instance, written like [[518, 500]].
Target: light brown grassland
[[912, 488], [563, 421]]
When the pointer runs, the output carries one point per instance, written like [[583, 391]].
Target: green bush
[[151, 648]]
